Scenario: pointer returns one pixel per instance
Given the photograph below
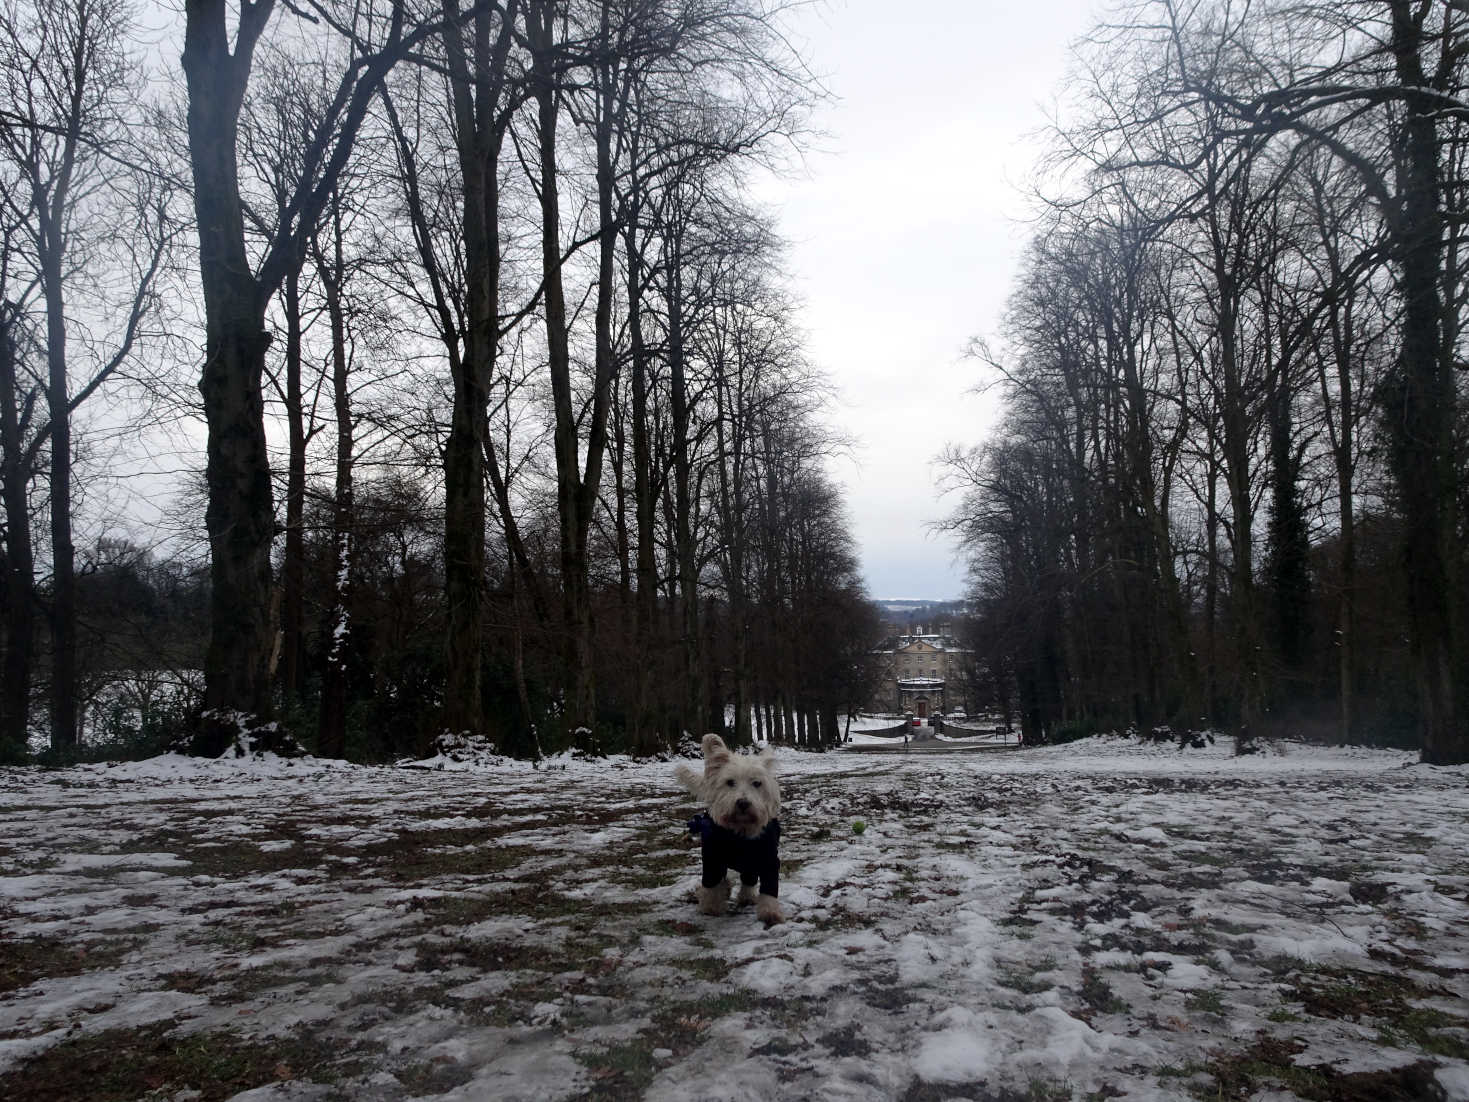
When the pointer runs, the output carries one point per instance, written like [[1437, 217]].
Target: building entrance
[[921, 707]]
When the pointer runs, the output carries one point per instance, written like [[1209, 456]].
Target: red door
[[922, 705]]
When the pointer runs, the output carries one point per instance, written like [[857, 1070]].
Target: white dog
[[740, 830]]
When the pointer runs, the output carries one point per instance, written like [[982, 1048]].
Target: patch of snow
[[1454, 1080], [960, 1047]]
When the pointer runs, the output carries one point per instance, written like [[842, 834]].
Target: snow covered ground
[[1101, 920]]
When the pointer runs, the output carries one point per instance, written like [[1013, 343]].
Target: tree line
[[1229, 484], [506, 423]]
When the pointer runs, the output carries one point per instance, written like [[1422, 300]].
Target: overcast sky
[[905, 235], [905, 231]]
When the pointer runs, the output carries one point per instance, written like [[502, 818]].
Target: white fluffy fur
[[740, 790], [742, 794]]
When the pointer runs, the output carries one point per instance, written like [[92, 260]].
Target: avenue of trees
[[480, 364], [1229, 488]]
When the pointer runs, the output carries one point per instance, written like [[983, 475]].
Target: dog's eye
[[754, 784], [730, 782]]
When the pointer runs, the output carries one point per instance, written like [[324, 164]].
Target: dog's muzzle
[[742, 821]]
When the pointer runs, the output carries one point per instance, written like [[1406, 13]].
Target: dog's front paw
[[767, 910], [712, 900]]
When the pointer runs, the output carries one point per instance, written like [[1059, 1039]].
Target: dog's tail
[[688, 778]]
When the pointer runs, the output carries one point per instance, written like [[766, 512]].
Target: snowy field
[[1104, 920]]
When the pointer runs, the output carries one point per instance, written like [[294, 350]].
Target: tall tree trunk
[[332, 731], [1211, 593], [1419, 404], [1243, 606], [19, 564], [293, 563], [683, 536], [575, 598], [240, 515], [1346, 623], [620, 525], [240, 522], [477, 80], [51, 202], [644, 499], [576, 489], [1289, 540], [63, 557], [729, 440], [522, 690], [464, 479], [464, 549], [1346, 619]]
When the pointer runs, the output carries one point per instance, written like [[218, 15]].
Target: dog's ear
[[767, 759], [716, 754]]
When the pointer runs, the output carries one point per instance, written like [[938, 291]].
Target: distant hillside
[[903, 614], [919, 604]]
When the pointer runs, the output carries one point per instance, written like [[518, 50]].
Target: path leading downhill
[[1101, 921]]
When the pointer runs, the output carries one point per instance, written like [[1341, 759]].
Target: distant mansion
[[919, 673]]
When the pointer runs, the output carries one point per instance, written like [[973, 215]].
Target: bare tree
[[331, 267], [482, 90], [1403, 61], [284, 103], [17, 463], [217, 61], [73, 87]]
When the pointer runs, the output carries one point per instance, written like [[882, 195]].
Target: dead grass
[[120, 1065], [1268, 1064], [23, 961]]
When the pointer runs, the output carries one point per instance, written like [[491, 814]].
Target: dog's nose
[[743, 804]]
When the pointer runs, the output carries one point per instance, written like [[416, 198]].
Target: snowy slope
[[1106, 919]]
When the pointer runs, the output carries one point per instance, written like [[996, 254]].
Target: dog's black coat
[[753, 858]]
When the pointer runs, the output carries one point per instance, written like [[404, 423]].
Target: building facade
[[920, 673]]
